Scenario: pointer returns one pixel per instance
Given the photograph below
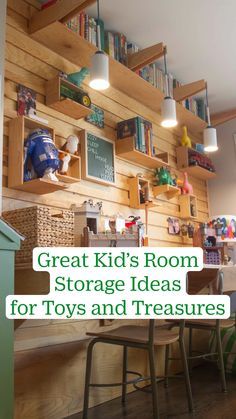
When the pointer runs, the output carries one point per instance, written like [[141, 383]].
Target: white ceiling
[[200, 36]]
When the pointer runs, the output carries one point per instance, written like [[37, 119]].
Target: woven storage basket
[[42, 227]]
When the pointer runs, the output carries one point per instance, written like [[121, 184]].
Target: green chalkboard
[[98, 159]]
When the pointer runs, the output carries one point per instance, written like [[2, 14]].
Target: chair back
[[151, 330], [198, 280]]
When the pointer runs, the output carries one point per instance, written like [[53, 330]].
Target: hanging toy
[[71, 145], [185, 140], [187, 188], [41, 151], [64, 160]]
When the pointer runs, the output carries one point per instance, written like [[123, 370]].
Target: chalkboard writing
[[99, 159]]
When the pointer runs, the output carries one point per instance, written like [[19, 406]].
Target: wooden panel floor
[[209, 401]]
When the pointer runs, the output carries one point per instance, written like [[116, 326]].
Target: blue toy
[[43, 155]]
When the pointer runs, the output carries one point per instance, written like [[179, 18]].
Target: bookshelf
[[194, 170], [62, 104], [77, 50], [125, 148]]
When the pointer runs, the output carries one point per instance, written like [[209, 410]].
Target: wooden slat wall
[[49, 375]]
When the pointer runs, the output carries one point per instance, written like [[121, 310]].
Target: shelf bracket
[[146, 56], [62, 10], [190, 89], [222, 117]]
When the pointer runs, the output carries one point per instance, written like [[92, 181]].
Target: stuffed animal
[[185, 140], [65, 160], [187, 187], [71, 145]]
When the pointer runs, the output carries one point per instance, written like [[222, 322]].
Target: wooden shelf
[[74, 170], [41, 186], [64, 105], [199, 172], [19, 128], [125, 148], [193, 170], [135, 184], [168, 190], [77, 50], [188, 207]]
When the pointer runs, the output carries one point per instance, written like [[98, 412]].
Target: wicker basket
[[42, 227]]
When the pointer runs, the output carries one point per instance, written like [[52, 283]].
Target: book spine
[[86, 27]]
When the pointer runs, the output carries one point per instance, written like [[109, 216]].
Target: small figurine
[[187, 187], [142, 197], [71, 145], [185, 140], [184, 230], [190, 230], [65, 160], [164, 177]]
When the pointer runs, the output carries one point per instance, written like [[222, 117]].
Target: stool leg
[[190, 340], [186, 373], [153, 383], [87, 378], [221, 359], [167, 350], [124, 376]]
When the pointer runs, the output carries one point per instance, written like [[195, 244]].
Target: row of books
[[196, 105], [141, 130], [154, 75], [86, 26], [115, 44]]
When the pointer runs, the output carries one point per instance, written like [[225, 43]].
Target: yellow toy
[[185, 140]]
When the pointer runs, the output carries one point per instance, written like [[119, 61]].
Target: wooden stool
[[197, 281], [143, 338]]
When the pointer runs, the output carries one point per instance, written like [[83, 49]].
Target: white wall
[[2, 47], [222, 190]]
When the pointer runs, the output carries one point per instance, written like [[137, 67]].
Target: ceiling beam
[[188, 90], [222, 117], [62, 10], [146, 56]]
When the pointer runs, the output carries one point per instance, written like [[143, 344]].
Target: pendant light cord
[[98, 27], [207, 108], [166, 75], [98, 10]]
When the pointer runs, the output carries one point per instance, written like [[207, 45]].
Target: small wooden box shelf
[[168, 190], [134, 193], [64, 105], [197, 171], [188, 206], [19, 129], [125, 148], [74, 170]]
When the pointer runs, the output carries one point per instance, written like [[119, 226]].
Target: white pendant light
[[99, 71], [209, 133], [168, 105]]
